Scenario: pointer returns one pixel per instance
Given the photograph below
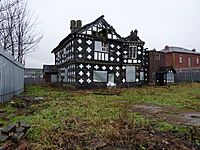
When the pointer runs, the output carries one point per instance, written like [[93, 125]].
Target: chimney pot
[[78, 24], [136, 32], [194, 50], [72, 25], [166, 47]]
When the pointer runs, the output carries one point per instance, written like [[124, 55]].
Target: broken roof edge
[[76, 31], [87, 26]]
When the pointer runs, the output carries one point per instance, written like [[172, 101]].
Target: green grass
[[63, 109]]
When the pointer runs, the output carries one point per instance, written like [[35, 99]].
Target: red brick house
[[182, 59], [173, 64]]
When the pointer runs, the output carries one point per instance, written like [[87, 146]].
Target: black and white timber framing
[[96, 56]]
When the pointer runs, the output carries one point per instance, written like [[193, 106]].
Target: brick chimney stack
[[166, 47], [194, 50], [74, 25]]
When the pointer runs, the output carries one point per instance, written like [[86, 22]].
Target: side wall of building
[[156, 60], [183, 61], [186, 65]]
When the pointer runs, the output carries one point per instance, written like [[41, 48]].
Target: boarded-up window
[[141, 75], [98, 46], [157, 56], [197, 61], [101, 46], [130, 73], [189, 61], [111, 78], [100, 76], [180, 59], [170, 77], [53, 78]]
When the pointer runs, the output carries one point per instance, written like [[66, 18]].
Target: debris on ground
[[110, 119], [39, 98], [119, 134], [2, 111], [13, 134], [23, 104], [25, 101]]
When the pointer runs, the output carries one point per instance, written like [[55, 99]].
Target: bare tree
[[5, 28], [17, 27]]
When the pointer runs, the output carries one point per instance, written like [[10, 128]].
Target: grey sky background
[[159, 22]]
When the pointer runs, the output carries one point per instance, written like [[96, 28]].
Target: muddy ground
[[118, 134], [169, 114]]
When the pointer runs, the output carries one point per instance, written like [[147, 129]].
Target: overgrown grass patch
[[100, 113], [35, 90]]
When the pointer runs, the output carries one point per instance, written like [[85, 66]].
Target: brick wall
[[156, 60], [174, 60]]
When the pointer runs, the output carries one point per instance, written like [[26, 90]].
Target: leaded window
[[132, 53], [101, 51]]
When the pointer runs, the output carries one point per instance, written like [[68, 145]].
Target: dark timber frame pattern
[[97, 50]]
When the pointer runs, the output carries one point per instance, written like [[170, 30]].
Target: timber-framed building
[[95, 55]]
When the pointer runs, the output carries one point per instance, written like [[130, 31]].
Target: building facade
[[50, 73], [182, 59], [95, 55], [158, 71], [156, 60], [185, 62], [173, 64]]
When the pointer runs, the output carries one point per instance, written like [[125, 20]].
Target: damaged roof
[[132, 37], [85, 27]]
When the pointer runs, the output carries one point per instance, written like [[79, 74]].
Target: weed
[[78, 117]]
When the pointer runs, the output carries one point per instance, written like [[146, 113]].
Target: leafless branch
[[17, 28]]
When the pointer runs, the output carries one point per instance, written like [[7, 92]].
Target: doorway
[[111, 80]]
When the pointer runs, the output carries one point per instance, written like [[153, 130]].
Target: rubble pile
[[13, 134]]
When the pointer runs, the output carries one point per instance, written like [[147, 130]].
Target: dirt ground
[[169, 114], [110, 134], [126, 136]]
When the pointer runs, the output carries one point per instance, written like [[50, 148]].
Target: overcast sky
[[159, 22]]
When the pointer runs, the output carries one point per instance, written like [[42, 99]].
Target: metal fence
[[188, 76], [34, 80], [33, 76], [11, 77]]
